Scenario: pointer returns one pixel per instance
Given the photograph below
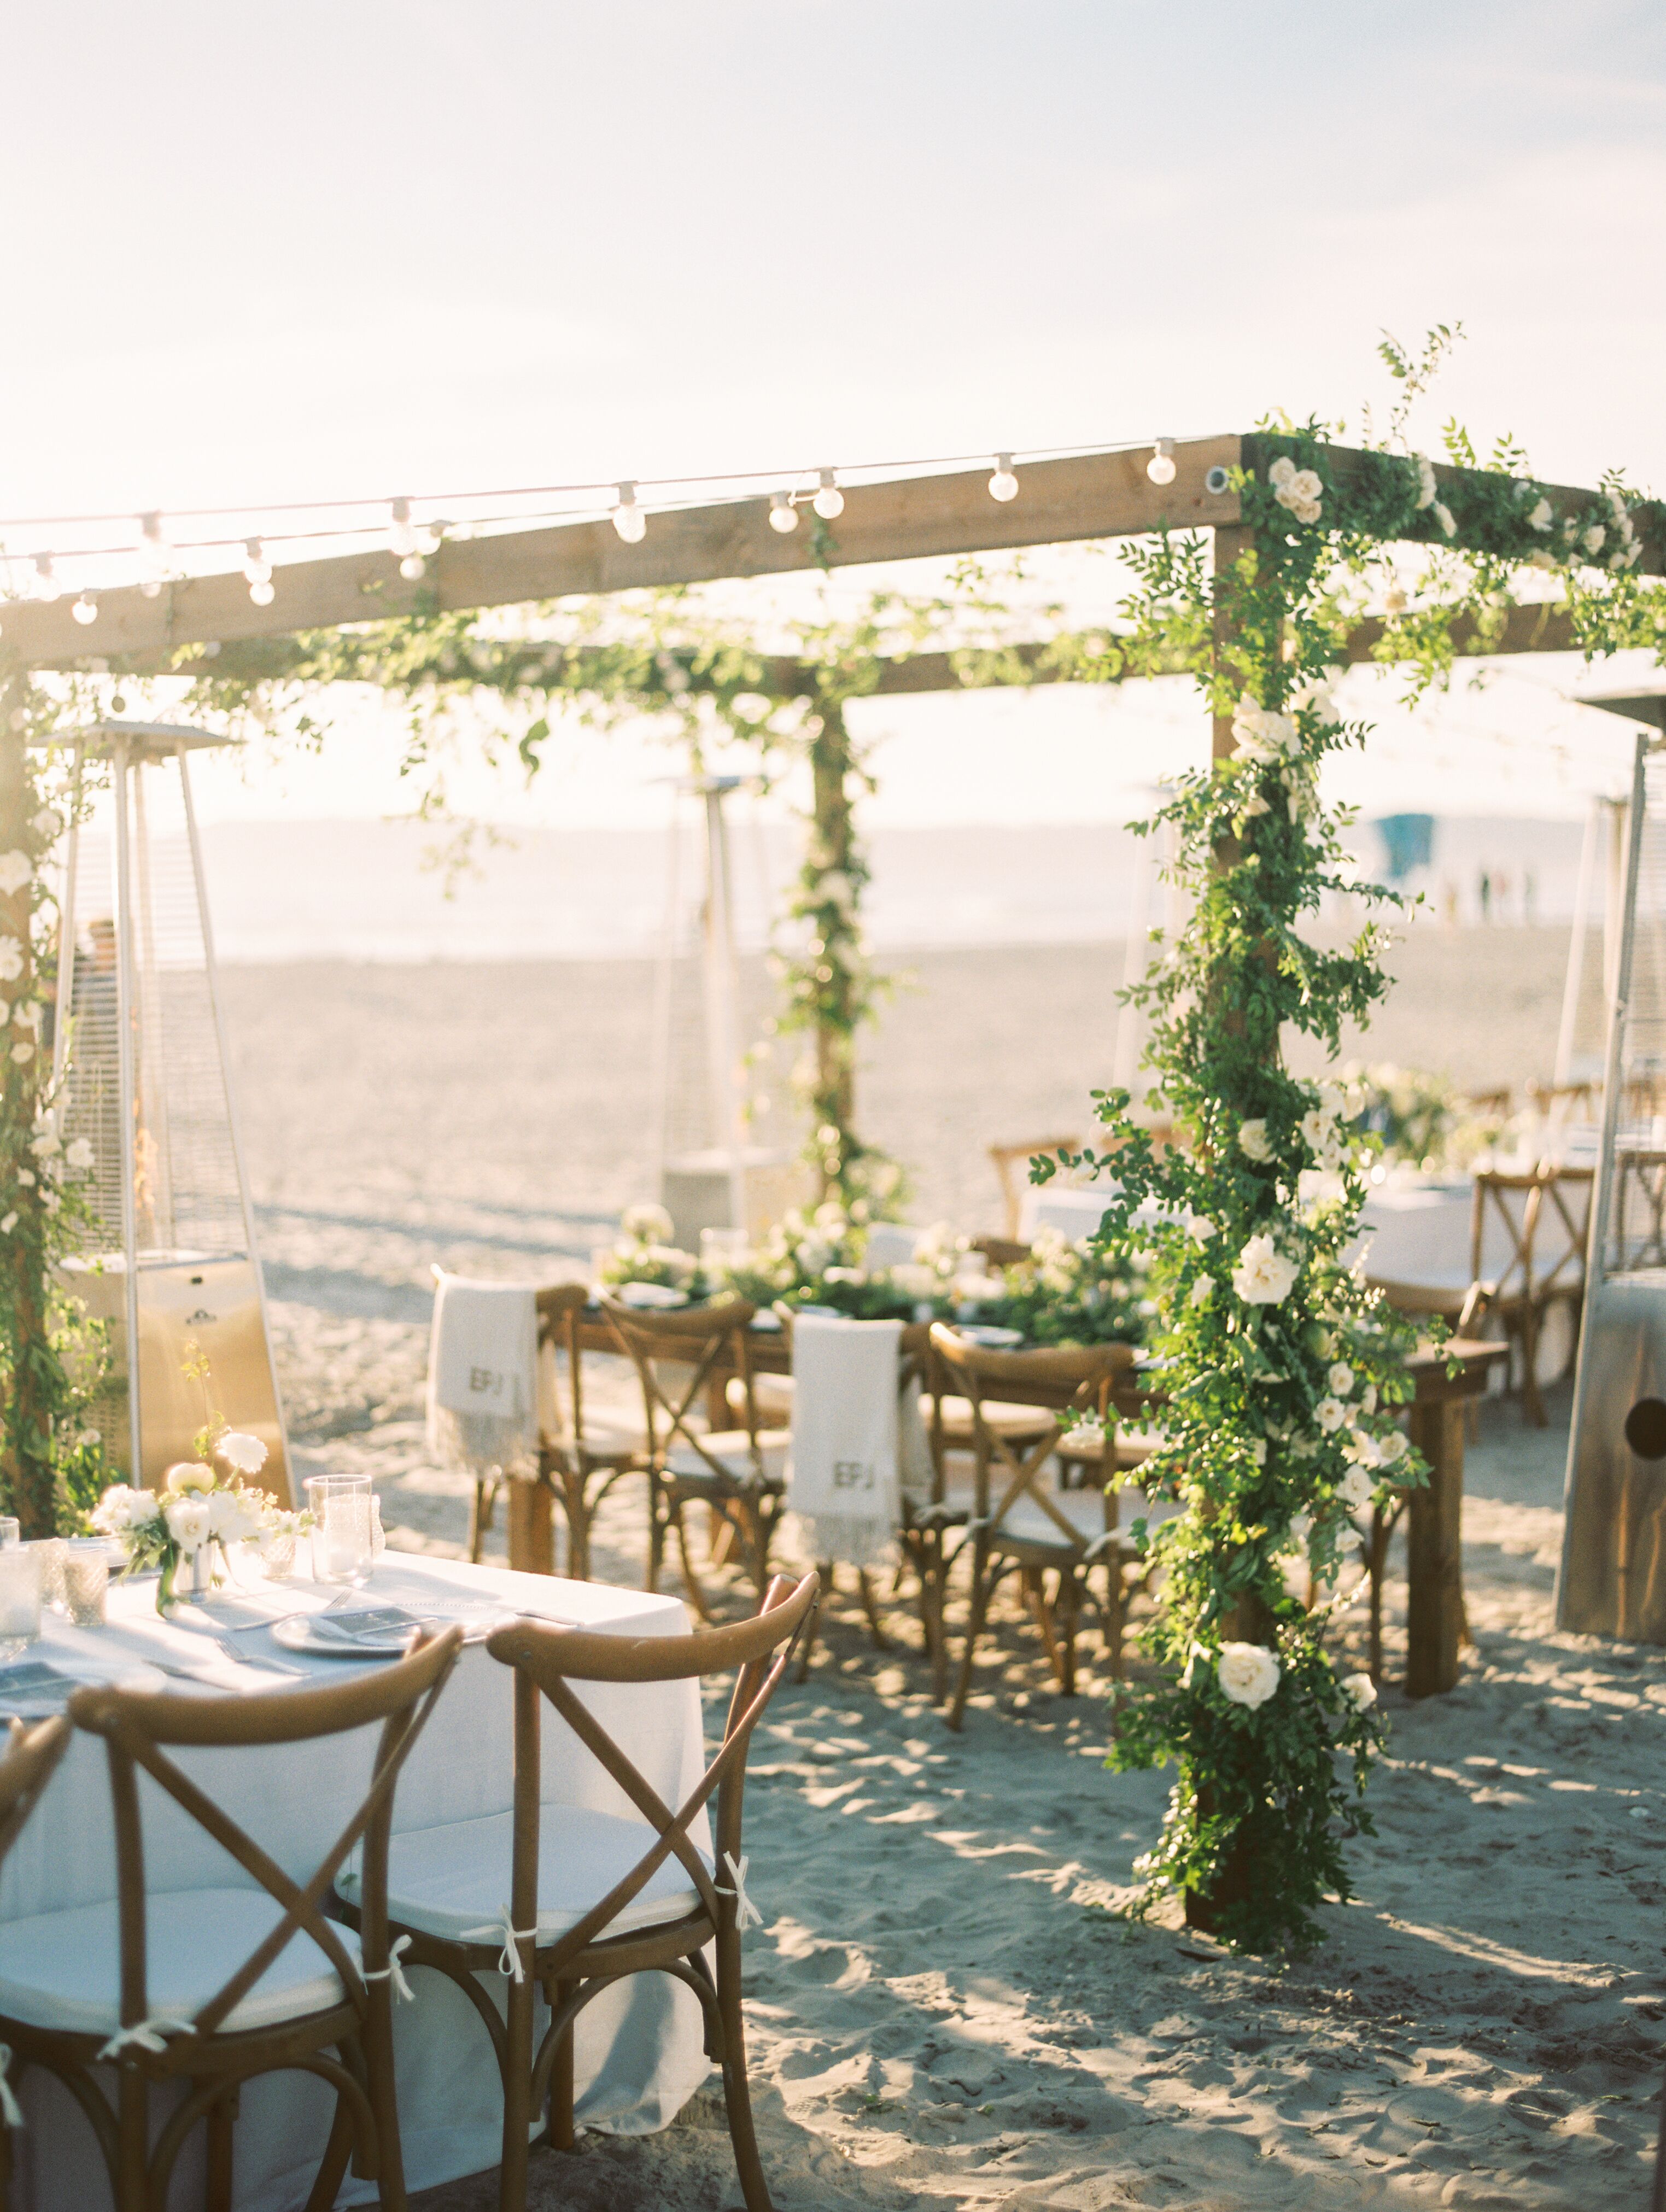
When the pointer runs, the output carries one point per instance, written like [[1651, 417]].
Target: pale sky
[[361, 248]]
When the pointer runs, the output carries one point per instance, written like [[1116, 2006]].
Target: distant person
[[1485, 888], [1501, 894], [1449, 904], [1529, 897]]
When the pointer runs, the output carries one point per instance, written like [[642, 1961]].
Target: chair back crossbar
[[136, 1725], [1085, 1374], [700, 1339], [31, 1760]]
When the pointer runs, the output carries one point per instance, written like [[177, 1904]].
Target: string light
[[783, 515], [628, 518], [829, 501], [153, 555], [1160, 467], [46, 586], [86, 609], [257, 568], [401, 537], [1003, 485]]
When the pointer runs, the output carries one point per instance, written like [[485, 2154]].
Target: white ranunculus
[[1595, 538], [11, 958], [121, 1508], [186, 1475], [647, 1225], [1393, 1447], [1252, 1141], [1542, 517], [1330, 1414], [1248, 1674], [80, 1155], [1340, 1377], [1202, 1290], [1263, 1276], [1355, 1489], [1443, 516], [16, 869], [1200, 1228], [1360, 1692], [246, 1453], [232, 1517], [189, 1523], [1425, 481]]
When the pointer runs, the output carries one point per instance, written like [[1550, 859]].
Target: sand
[[950, 2003]]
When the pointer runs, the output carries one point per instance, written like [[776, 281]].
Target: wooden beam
[[1058, 502]]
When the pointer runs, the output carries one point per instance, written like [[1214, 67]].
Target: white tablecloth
[[640, 2047]]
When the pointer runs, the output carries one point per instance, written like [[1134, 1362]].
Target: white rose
[[1264, 1275], [46, 1145], [121, 1508], [1248, 1674], [1360, 1692], [1392, 1448], [189, 1523], [1256, 807], [1356, 1489], [1252, 1141], [1329, 1413], [246, 1453], [1425, 481], [1362, 1449], [1594, 538], [23, 1054], [11, 959], [1307, 484], [1200, 1228], [80, 1154], [1443, 517], [1368, 1399], [1307, 510], [1282, 472], [1202, 1290], [47, 825], [16, 869], [1340, 1377], [8, 1225], [1540, 519], [230, 1516]]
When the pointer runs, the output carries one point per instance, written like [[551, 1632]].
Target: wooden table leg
[[1434, 1551], [532, 1527]]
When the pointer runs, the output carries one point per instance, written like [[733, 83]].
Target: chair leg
[[132, 2142], [1035, 1592], [1067, 1605], [657, 1513], [377, 2044], [737, 2093], [221, 2130], [1376, 1560], [333, 2165], [876, 1630], [974, 1630], [563, 2134], [481, 1515], [517, 2096], [576, 1509], [691, 1581], [1113, 1618]]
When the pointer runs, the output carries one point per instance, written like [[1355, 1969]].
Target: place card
[[34, 1690]]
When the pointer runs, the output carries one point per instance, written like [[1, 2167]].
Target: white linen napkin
[[842, 1476], [483, 1376]]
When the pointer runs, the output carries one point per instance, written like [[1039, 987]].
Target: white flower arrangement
[[1247, 1675], [16, 869], [1299, 489], [1264, 1276], [646, 1225], [198, 1509]]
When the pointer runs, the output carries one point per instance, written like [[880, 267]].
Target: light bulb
[[1003, 485], [86, 609], [628, 518], [401, 537], [829, 501], [412, 566], [262, 591], [257, 568], [46, 586], [783, 515], [1160, 467], [427, 538]]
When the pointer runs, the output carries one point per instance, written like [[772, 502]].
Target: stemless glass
[[20, 1598], [11, 1531], [87, 1581], [343, 1544], [51, 1551]]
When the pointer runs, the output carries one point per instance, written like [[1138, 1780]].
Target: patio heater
[[140, 1057], [714, 1170], [1612, 1580]]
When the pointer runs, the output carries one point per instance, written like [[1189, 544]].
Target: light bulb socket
[[45, 580], [783, 515]]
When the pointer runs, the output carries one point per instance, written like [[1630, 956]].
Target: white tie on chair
[[482, 1377], [844, 1479]]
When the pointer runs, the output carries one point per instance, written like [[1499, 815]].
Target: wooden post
[[26, 1422], [532, 1527], [1434, 1551], [833, 1106]]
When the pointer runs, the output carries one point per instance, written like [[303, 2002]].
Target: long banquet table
[[640, 2052]]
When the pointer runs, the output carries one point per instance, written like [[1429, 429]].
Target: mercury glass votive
[[86, 1582], [20, 1598], [51, 1551]]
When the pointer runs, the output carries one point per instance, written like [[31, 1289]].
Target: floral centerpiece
[[1067, 1292], [643, 1253], [821, 1259], [199, 1510]]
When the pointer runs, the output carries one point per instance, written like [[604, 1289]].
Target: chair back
[[1009, 1161], [136, 1724], [701, 1342], [1545, 1214], [31, 1760], [1081, 1377], [548, 1660], [560, 1310]]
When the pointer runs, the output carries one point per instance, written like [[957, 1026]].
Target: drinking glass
[[87, 1581], [51, 1551], [343, 1544], [11, 1531], [20, 1598]]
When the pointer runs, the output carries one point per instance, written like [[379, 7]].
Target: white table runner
[[639, 2050]]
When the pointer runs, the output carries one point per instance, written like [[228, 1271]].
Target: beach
[[950, 2003]]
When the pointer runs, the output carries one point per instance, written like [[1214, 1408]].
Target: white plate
[[992, 1338], [649, 1297], [298, 1632]]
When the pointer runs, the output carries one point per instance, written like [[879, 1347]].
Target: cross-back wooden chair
[[1012, 1164], [1020, 1526], [1544, 1214], [739, 1473], [212, 1986], [594, 1896], [30, 1762]]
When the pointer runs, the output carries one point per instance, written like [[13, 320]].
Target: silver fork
[[227, 1650]]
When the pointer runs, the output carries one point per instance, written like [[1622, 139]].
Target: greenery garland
[[1282, 1375]]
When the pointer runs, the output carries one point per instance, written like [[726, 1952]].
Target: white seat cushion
[[605, 1439], [1084, 1509], [445, 1881], [730, 1448], [771, 1393], [1001, 1415], [62, 1970]]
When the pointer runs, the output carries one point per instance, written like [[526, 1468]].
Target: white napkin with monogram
[[483, 1376], [842, 1476]]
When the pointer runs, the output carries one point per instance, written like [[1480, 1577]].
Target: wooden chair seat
[[732, 1450], [1127, 1453], [604, 1443], [451, 1880], [62, 1970]]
